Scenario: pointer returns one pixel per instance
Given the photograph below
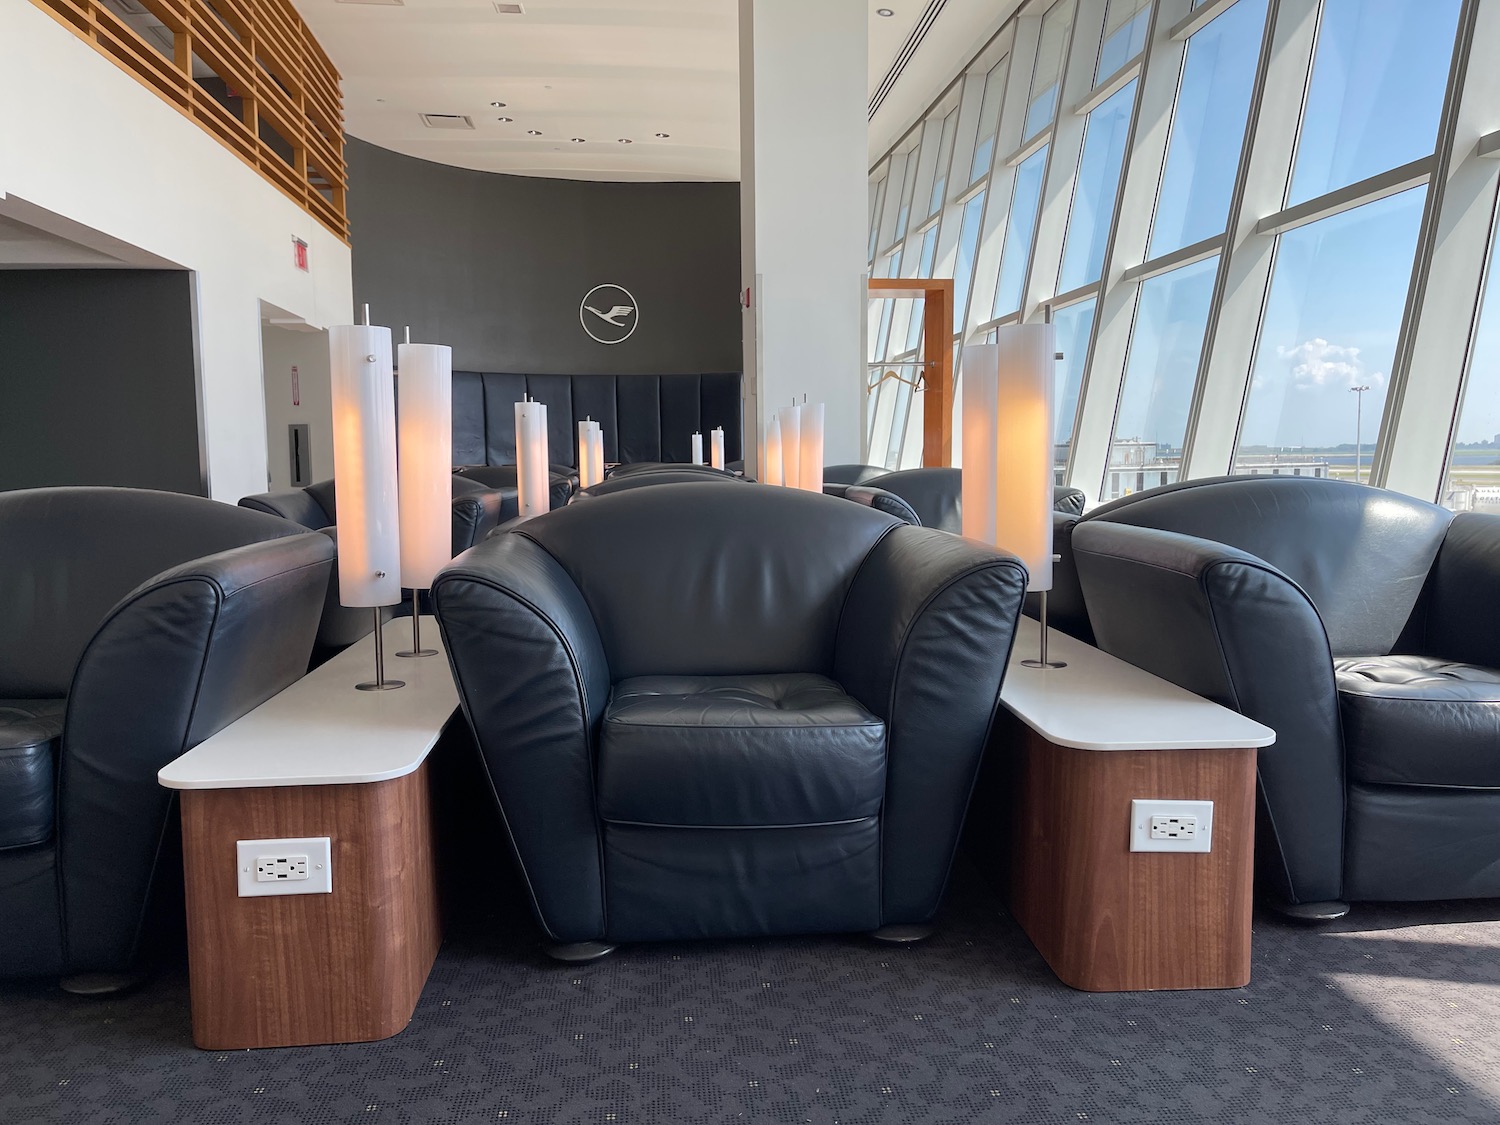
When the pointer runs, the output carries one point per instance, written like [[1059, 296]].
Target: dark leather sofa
[[1361, 625], [134, 625], [732, 711]]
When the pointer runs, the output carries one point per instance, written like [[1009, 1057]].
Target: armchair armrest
[[923, 642], [535, 719], [1228, 626], [177, 660], [1459, 615]]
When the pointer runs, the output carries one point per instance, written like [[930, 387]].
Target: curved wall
[[497, 265]]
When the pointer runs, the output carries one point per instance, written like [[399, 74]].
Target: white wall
[[282, 349], [84, 140]]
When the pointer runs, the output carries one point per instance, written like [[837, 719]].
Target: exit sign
[[299, 253]]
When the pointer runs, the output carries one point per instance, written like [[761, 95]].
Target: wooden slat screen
[[279, 107]]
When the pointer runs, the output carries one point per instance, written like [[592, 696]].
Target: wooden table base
[[1107, 919], [284, 971]]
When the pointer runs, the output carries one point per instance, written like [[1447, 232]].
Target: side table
[[318, 759]]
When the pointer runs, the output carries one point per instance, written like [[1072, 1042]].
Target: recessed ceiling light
[[884, 12], [507, 120], [626, 141], [577, 140], [498, 105], [533, 132], [663, 136]]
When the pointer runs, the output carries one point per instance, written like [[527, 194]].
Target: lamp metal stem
[[1044, 662], [416, 630], [379, 683]]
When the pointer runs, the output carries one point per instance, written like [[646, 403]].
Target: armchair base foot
[[573, 952], [1311, 911], [103, 984], [903, 935]]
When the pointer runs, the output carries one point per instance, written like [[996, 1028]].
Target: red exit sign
[[299, 253]]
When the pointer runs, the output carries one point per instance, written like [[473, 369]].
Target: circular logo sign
[[608, 313]]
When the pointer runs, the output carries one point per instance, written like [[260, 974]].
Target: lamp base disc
[[419, 652], [903, 934], [1044, 664], [578, 952], [380, 685]]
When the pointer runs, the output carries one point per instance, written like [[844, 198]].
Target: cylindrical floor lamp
[[424, 437]]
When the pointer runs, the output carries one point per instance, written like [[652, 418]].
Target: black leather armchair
[[877, 498], [852, 474], [658, 474], [1364, 628], [134, 625], [562, 481], [936, 495], [710, 712]]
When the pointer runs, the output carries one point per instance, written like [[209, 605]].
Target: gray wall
[[496, 265], [98, 380]]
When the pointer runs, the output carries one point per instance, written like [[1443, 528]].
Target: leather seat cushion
[[738, 750], [1417, 720], [30, 730]]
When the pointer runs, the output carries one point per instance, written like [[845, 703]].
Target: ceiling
[[606, 71]]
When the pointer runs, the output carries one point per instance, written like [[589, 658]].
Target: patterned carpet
[[1388, 1017]]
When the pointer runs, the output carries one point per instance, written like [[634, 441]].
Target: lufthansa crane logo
[[609, 313]]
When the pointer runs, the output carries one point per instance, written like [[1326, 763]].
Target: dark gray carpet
[[1386, 1018]]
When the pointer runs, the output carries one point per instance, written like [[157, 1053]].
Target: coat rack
[[935, 360]]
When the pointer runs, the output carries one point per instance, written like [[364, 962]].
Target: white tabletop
[[321, 731], [1099, 702]]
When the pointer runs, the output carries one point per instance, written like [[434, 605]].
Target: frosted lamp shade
[[364, 464], [585, 454], [1007, 445], [697, 449], [790, 418], [596, 451], [810, 470], [716, 447], [533, 483], [424, 442], [772, 473]]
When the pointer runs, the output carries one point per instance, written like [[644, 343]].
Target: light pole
[[1359, 403]]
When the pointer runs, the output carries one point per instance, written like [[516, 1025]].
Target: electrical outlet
[[284, 867], [1171, 826]]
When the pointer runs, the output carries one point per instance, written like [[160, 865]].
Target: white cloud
[[1316, 363]]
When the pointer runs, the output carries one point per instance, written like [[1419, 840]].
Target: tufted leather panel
[[597, 400], [710, 587], [681, 417], [1394, 705], [1361, 554], [739, 750], [501, 393], [680, 884], [1228, 626], [468, 418], [639, 410], [30, 730], [59, 580]]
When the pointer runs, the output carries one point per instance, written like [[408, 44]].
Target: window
[[1020, 229], [877, 205], [944, 158], [908, 187], [1208, 128], [880, 339], [1046, 79], [1378, 78], [963, 267], [1473, 480], [1332, 317], [923, 269], [1166, 344], [1074, 324], [989, 120], [1125, 24], [1097, 188]]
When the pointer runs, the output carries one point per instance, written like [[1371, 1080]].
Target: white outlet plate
[[256, 859], [1195, 836]]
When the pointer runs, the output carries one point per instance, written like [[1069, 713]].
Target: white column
[[803, 206]]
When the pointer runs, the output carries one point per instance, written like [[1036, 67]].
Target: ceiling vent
[[510, 9], [446, 121], [913, 41]]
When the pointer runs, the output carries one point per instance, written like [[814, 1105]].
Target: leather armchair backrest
[[935, 494], [666, 474], [852, 474], [1361, 554], [67, 555], [643, 417], [1067, 500], [687, 579], [296, 504], [877, 498]]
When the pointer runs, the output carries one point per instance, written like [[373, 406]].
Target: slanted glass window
[[877, 205], [908, 187], [1046, 79], [1376, 93], [1074, 325], [923, 269], [1020, 229], [1332, 318], [880, 339], [989, 120], [1473, 480], [944, 158], [1165, 347], [1096, 190], [1208, 128], [963, 266], [1125, 24]]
